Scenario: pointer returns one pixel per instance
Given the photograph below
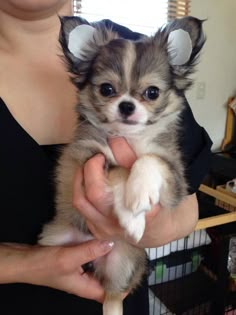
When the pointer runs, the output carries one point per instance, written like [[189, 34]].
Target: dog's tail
[[113, 304]]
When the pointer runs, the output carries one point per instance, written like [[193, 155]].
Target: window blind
[[138, 17], [76, 7], [177, 9]]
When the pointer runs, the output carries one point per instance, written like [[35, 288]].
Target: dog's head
[[126, 84]]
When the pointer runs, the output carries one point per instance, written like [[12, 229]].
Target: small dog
[[132, 89]]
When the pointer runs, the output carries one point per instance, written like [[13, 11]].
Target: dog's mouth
[[125, 127], [128, 122], [121, 121]]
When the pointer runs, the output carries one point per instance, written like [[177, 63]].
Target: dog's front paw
[[133, 225], [143, 185]]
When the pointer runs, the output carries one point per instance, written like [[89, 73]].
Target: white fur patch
[[59, 235], [180, 47], [79, 38], [128, 61], [143, 185], [133, 224], [113, 307]]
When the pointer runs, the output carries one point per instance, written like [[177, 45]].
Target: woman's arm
[[165, 225], [56, 267]]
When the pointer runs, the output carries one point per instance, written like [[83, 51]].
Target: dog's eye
[[106, 89], [151, 93]]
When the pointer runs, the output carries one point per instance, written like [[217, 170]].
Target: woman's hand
[[95, 204], [56, 267], [91, 196]]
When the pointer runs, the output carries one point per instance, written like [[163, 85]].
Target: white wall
[[217, 67]]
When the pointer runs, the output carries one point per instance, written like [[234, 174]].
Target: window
[[178, 8], [138, 17]]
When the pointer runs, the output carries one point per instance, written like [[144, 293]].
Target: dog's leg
[[134, 224], [59, 234], [144, 184], [134, 193], [120, 271]]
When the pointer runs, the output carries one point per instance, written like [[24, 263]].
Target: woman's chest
[[41, 100]]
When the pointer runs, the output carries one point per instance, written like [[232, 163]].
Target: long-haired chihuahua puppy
[[133, 89]]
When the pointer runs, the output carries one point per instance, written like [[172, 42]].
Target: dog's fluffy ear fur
[[81, 42], [191, 35]]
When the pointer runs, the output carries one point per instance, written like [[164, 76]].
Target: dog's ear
[[183, 40], [81, 42], [74, 37]]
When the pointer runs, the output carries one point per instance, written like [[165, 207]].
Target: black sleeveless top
[[27, 202]]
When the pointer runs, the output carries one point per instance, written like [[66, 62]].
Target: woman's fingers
[[122, 152], [91, 195], [91, 250], [100, 222], [95, 184], [80, 202], [94, 180]]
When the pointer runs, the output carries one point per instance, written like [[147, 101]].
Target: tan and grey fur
[[130, 67]]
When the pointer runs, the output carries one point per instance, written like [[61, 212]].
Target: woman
[[36, 118]]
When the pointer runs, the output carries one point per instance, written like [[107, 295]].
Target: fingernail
[[107, 245], [113, 140]]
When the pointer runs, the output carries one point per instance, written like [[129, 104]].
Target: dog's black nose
[[126, 108]]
